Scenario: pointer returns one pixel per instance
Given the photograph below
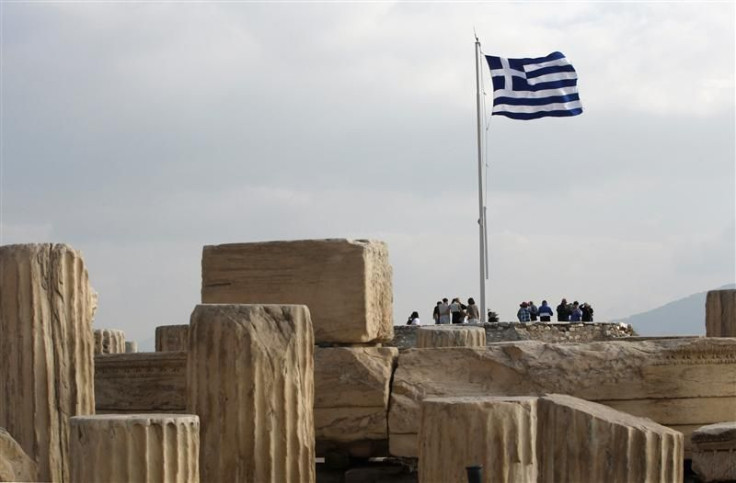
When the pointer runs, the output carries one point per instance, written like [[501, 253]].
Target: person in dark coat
[[563, 312], [587, 312]]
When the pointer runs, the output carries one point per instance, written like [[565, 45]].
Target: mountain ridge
[[684, 316]]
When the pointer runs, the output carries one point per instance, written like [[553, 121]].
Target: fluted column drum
[[450, 336], [250, 378], [155, 448], [720, 313], [109, 341], [46, 350]]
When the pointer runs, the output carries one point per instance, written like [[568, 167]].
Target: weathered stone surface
[[351, 391], [109, 341], [714, 451], [498, 433], [15, 464], [405, 335], [548, 439], [172, 338], [579, 440], [660, 379], [46, 350], [141, 447], [251, 381], [720, 313], [451, 336], [347, 284], [131, 346], [142, 382]]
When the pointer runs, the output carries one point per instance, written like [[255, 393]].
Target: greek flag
[[534, 88]]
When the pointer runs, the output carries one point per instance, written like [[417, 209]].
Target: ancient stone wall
[[720, 313], [141, 382], [250, 379], [172, 338], [46, 350], [405, 336], [347, 284], [679, 383], [131, 448], [351, 394]]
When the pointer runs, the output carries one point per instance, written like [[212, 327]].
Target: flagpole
[[481, 210]]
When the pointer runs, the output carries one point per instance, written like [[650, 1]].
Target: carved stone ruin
[[46, 350], [251, 381], [720, 313], [450, 336], [140, 447], [131, 346], [172, 338], [351, 394], [680, 383], [15, 464], [142, 382], [347, 284], [498, 433], [109, 341], [714, 451], [548, 439]]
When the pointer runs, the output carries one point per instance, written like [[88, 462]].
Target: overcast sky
[[138, 133]]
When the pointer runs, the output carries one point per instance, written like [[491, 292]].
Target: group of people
[[454, 312], [574, 312]]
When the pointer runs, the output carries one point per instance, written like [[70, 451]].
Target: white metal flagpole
[[481, 204]]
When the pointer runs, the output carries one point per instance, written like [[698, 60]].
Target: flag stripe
[[525, 116], [559, 106], [540, 101], [534, 87]]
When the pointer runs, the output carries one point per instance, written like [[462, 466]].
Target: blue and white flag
[[534, 88]]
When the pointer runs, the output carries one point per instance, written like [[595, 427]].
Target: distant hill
[[685, 316]]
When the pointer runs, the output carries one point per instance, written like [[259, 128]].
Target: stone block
[[720, 313], [347, 284], [579, 440], [142, 382], [46, 350], [131, 346], [351, 391], [172, 338], [547, 439], [451, 336], [109, 341], [15, 464], [714, 451], [660, 379], [251, 381], [137, 447], [498, 433]]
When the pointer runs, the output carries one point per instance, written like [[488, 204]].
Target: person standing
[[473, 312], [563, 314], [533, 311], [414, 319], [545, 312], [523, 313], [456, 309], [587, 312], [444, 310], [436, 313], [576, 315]]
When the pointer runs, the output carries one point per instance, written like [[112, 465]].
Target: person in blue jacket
[[545, 312], [576, 315]]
